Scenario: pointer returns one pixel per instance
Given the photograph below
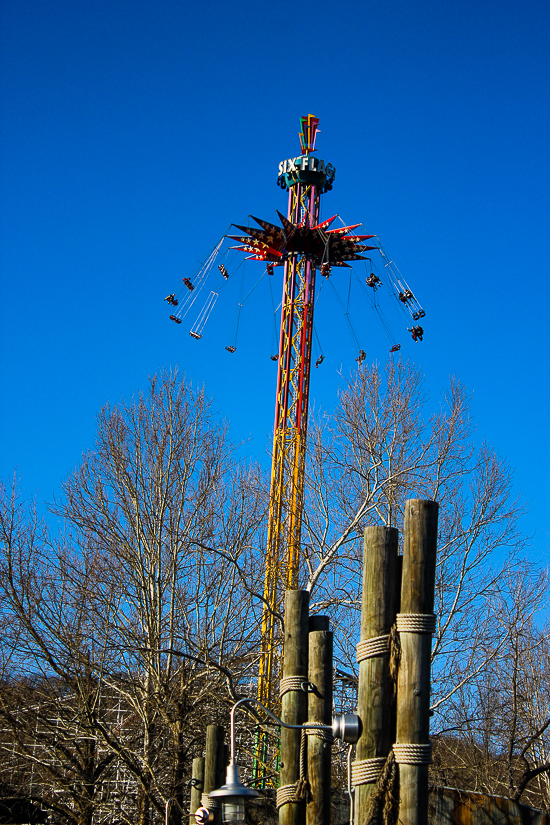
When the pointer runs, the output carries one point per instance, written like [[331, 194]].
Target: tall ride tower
[[302, 245]]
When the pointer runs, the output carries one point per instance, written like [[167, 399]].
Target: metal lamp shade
[[233, 796]]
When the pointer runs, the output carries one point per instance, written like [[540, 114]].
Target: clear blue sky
[[134, 133]]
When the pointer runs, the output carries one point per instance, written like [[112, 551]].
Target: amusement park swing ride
[[300, 248]]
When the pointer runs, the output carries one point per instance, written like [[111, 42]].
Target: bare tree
[[497, 740], [166, 627], [386, 441], [49, 694]]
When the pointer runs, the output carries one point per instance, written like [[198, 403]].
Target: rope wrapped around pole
[[286, 794], [412, 754], [366, 771], [210, 802], [289, 683], [320, 733], [415, 622], [369, 648]]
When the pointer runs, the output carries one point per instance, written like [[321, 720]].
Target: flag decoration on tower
[[309, 125]]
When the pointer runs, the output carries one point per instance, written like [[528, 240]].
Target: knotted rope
[[384, 800], [325, 735], [298, 790], [286, 794], [380, 646]]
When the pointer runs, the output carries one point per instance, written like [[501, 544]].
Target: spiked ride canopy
[[317, 243]]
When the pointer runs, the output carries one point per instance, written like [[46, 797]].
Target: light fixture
[[232, 795], [347, 728]]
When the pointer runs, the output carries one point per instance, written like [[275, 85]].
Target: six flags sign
[[306, 169]]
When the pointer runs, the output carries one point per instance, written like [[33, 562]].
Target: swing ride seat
[[195, 335], [188, 283], [231, 349], [176, 320]]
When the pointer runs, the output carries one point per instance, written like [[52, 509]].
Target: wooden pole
[[197, 787], [319, 710], [375, 695], [294, 702], [214, 768], [413, 686]]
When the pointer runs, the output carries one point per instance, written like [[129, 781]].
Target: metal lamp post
[[233, 794]]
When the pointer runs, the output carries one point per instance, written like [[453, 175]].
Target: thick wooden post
[[319, 710], [375, 694], [294, 702], [413, 686], [197, 787], [214, 767]]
